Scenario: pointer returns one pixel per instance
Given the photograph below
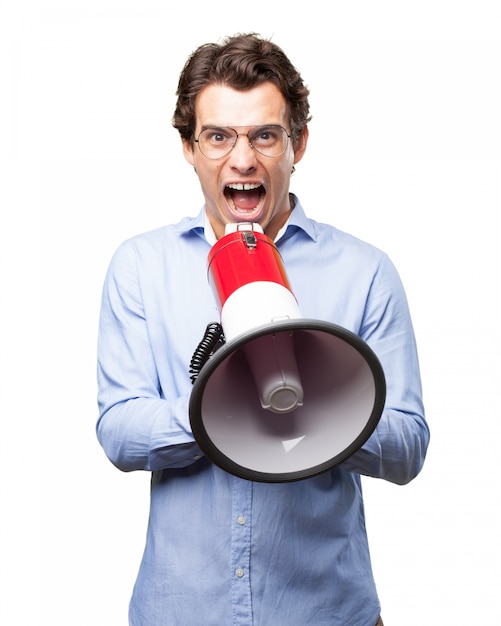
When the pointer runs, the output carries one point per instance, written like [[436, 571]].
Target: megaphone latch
[[250, 239]]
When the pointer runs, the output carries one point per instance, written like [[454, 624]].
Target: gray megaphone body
[[285, 398]]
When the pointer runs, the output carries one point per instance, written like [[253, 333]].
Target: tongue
[[245, 200]]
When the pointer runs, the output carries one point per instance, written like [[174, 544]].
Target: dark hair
[[241, 62]]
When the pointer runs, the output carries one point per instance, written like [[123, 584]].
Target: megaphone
[[283, 398]]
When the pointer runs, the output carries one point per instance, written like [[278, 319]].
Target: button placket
[[240, 551]]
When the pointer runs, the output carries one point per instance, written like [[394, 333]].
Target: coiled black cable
[[212, 340]]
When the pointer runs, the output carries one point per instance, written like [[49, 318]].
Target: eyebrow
[[236, 128], [206, 126]]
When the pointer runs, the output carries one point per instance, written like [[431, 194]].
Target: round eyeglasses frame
[[254, 132]]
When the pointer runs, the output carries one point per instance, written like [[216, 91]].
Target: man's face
[[265, 198]]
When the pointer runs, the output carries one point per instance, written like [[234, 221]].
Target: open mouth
[[244, 197]]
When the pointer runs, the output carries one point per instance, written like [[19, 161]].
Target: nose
[[243, 156]]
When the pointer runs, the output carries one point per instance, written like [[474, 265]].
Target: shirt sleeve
[[138, 427], [396, 450]]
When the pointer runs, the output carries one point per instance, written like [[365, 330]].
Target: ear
[[301, 145], [188, 152]]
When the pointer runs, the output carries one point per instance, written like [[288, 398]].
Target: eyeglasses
[[217, 142]]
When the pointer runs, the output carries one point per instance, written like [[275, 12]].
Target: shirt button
[[239, 572], [241, 520]]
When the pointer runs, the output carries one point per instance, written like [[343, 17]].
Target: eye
[[217, 135], [265, 135]]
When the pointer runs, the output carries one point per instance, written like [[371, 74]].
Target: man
[[222, 550]]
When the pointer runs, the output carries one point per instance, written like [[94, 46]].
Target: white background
[[404, 152]]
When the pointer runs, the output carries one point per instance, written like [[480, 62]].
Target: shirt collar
[[297, 221]]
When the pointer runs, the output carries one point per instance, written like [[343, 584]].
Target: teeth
[[243, 186]]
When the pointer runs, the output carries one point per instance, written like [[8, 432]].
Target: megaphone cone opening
[[343, 389]]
